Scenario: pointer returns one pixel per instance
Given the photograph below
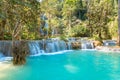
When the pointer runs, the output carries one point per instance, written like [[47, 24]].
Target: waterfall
[[6, 47], [109, 43], [69, 46], [50, 47], [35, 47], [46, 46], [55, 45], [63, 45], [87, 45], [40, 47], [1, 55]]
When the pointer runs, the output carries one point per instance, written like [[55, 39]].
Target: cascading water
[[6, 47], [109, 43], [44, 46], [47, 46], [55, 45], [35, 47], [50, 47], [69, 46], [1, 54], [87, 45], [62, 45]]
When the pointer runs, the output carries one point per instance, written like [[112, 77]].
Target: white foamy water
[[5, 59], [88, 49], [54, 53]]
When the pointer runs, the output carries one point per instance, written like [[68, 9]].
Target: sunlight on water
[[4, 67], [71, 68]]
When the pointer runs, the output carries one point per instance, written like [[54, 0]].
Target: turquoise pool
[[73, 65]]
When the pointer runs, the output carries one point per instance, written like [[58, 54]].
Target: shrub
[[80, 31]]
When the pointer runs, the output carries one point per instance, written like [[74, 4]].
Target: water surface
[[74, 65]]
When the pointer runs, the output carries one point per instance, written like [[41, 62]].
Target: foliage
[[113, 27], [17, 14], [99, 16], [80, 30], [23, 19], [63, 37]]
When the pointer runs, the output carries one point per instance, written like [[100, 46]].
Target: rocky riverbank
[[108, 48]]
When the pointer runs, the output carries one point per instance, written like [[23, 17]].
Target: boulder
[[97, 43], [76, 45]]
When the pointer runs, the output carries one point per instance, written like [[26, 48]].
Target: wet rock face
[[76, 45], [20, 51]]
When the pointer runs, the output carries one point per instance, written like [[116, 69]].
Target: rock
[[76, 45], [97, 43], [108, 49]]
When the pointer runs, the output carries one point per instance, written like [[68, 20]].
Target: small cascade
[[40, 47], [50, 47], [6, 47], [1, 55], [62, 45], [109, 43], [69, 45], [35, 47], [46, 46], [87, 45], [55, 45]]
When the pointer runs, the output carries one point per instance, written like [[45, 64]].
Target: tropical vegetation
[[33, 19]]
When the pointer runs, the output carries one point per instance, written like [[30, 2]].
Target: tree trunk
[[118, 22], [69, 25], [2, 31], [18, 47]]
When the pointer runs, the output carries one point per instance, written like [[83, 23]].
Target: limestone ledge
[[108, 48]]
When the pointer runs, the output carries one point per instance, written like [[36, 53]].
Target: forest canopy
[[33, 19]]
